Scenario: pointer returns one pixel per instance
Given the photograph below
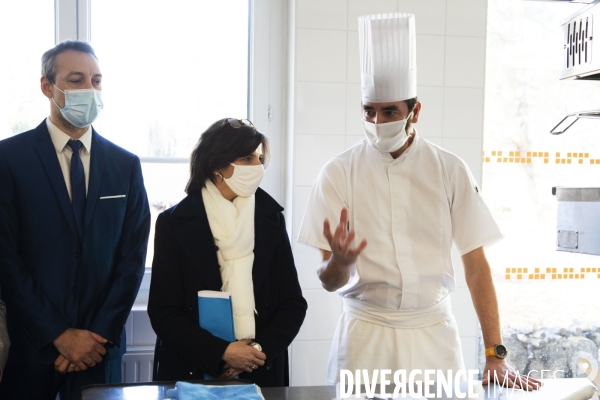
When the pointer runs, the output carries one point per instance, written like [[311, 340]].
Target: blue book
[[215, 314]]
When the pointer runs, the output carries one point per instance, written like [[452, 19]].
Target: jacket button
[[192, 371], [192, 308], [216, 248], [268, 368]]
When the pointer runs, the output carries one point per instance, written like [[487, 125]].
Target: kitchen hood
[[581, 53]]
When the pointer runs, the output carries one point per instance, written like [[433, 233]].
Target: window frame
[[266, 88]]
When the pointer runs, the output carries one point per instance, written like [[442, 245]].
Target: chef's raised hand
[[334, 271], [503, 374]]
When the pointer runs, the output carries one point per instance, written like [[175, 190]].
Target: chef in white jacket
[[408, 201]]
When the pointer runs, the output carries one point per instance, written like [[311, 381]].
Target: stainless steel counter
[[553, 389]]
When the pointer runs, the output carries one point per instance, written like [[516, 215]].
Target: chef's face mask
[[387, 137], [82, 106]]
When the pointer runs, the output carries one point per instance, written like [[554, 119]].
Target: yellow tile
[[523, 160], [570, 276], [582, 276], [537, 276], [546, 154], [557, 155], [568, 154], [559, 276], [519, 270], [519, 276], [591, 161], [505, 159], [576, 276], [511, 153], [589, 270], [516, 160], [510, 160], [586, 155], [553, 276], [499, 153], [528, 154], [593, 269], [508, 270], [554, 270], [499, 159], [557, 161], [580, 154], [529, 161], [487, 159], [507, 277], [575, 155], [543, 276], [581, 161], [571, 269], [525, 270], [530, 276], [517, 154], [545, 161], [537, 270], [569, 161], [494, 152], [563, 161], [548, 270]]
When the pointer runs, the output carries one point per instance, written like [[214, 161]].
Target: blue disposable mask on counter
[[82, 106]]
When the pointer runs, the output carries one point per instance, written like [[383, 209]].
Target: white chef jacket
[[410, 209]]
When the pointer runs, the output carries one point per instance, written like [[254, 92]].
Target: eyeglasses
[[238, 123]]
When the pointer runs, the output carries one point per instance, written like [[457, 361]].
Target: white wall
[[324, 120]]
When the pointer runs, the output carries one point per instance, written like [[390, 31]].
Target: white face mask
[[245, 179], [387, 137], [82, 106]]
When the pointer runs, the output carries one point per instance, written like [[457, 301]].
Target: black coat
[[185, 261]]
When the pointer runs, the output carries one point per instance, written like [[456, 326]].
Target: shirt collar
[[60, 139]]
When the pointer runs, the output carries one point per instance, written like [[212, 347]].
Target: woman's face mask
[[245, 179]]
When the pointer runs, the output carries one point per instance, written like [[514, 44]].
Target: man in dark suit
[[74, 225]]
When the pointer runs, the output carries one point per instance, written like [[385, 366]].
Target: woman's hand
[[230, 373], [240, 356]]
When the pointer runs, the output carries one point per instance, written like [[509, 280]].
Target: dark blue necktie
[[77, 186]]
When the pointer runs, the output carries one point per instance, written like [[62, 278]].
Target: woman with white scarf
[[228, 235]]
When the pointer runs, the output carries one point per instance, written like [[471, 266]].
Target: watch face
[[501, 351]]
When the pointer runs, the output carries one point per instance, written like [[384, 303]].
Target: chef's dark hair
[[411, 103], [220, 145]]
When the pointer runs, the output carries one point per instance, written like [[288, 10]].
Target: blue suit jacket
[[49, 281]]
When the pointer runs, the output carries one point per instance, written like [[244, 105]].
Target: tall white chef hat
[[388, 57]]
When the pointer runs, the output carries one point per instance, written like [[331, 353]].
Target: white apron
[[369, 337]]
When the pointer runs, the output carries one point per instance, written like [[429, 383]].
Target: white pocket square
[[113, 197]]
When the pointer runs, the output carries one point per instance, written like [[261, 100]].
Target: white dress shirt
[[410, 210], [64, 152]]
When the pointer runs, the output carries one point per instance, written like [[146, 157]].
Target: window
[[170, 70], [545, 296], [26, 32]]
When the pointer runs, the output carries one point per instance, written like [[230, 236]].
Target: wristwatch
[[255, 345], [497, 350]]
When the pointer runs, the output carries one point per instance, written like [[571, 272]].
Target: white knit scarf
[[232, 226]]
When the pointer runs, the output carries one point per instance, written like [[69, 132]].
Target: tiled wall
[[324, 90]]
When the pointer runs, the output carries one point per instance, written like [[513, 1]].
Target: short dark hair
[[49, 57], [411, 103], [220, 145]]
